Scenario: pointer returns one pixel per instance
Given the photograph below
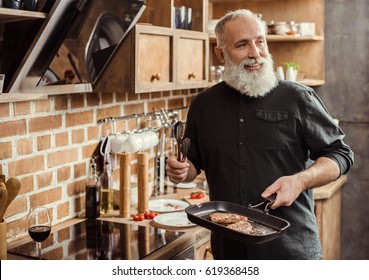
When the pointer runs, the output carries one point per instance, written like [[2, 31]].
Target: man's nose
[[253, 51]]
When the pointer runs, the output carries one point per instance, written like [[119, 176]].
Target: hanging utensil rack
[[163, 114]]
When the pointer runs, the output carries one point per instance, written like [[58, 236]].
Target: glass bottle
[[92, 192], [106, 190]]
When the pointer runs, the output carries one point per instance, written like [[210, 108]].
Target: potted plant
[[292, 70]]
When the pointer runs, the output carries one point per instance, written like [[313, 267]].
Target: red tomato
[[200, 195], [197, 195], [152, 215], [138, 217], [193, 195]]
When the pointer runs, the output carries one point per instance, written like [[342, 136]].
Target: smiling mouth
[[253, 66]]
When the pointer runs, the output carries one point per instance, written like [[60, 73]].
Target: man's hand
[[287, 188], [177, 171]]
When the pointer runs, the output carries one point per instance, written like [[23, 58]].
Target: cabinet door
[[191, 52], [154, 64], [203, 252]]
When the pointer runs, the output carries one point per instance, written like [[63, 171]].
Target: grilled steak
[[242, 226], [226, 218]]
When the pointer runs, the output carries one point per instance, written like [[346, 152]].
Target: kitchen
[[47, 143]]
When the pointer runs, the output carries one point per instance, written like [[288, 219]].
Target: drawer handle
[[192, 75], [156, 76]]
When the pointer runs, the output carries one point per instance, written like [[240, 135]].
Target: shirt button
[[241, 143], [242, 120]]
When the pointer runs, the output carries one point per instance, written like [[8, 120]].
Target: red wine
[[39, 233]]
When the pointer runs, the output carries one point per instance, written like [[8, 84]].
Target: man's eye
[[241, 45]]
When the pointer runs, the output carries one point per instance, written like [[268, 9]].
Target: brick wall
[[47, 145]]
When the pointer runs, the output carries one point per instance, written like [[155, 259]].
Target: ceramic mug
[[133, 143], [117, 143], [150, 139]]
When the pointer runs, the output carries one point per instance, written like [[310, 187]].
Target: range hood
[[75, 44]]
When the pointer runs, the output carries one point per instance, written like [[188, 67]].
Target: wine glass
[[39, 226]]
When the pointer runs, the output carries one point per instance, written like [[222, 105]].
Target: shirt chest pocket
[[271, 129]]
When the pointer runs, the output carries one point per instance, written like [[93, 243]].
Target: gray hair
[[219, 28]]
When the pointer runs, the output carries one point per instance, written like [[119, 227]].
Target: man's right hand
[[177, 171]]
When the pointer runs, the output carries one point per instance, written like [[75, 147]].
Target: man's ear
[[220, 53]]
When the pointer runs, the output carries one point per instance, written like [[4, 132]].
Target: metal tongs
[[183, 144], [267, 202]]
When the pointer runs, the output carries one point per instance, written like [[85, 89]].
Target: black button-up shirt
[[244, 144]]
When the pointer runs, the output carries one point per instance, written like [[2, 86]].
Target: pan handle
[[267, 202]]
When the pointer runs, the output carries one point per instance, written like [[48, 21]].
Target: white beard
[[255, 83]]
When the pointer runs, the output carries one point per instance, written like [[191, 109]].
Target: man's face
[[245, 38], [248, 65]]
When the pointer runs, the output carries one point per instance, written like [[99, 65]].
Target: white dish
[[178, 219], [182, 185], [167, 205]]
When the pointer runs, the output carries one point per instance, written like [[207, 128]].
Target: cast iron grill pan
[[268, 227]]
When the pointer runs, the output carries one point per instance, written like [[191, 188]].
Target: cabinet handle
[[156, 76], [207, 250], [192, 75]]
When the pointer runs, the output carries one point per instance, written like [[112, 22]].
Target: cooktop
[[100, 240]]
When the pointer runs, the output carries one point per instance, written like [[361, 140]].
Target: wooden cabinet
[[308, 51], [203, 251], [191, 51], [328, 216], [12, 15], [202, 246], [155, 58]]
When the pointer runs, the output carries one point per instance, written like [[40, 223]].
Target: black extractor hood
[[73, 45]]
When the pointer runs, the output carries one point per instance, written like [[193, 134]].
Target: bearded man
[[256, 136]]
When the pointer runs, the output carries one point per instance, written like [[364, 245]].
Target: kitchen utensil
[[13, 186], [143, 181], [105, 145], [268, 227], [186, 143], [178, 134], [3, 202], [125, 186]]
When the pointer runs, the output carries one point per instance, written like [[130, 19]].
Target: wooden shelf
[[18, 97], [11, 15], [43, 92], [281, 38], [289, 38], [311, 82]]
